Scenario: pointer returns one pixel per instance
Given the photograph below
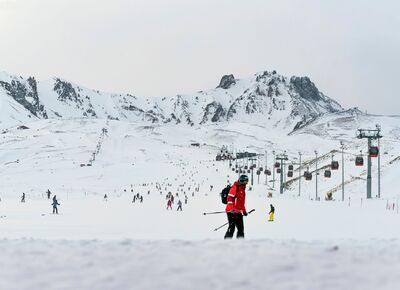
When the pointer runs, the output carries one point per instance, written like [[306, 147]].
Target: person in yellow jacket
[[271, 213]]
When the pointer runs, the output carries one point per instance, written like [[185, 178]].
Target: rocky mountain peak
[[305, 88], [227, 81]]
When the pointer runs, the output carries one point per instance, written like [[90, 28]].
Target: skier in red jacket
[[235, 207]]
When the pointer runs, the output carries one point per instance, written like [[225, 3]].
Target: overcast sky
[[349, 48]]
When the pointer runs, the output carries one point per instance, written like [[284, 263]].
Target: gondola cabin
[[267, 172], [373, 151], [327, 173], [277, 165], [278, 170], [245, 167], [308, 175], [335, 165], [290, 174], [290, 167], [359, 161]]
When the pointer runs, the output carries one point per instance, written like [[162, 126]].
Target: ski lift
[[290, 167], [253, 166], [335, 165], [258, 172], [245, 167], [261, 169], [233, 169], [373, 151], [277, 165], [290, 173], [359, 161], [308, 175], [278, 170], [327, 173], [248, 171], [267, 172], [237, 171]]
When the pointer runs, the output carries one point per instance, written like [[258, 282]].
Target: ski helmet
[[243, 179]]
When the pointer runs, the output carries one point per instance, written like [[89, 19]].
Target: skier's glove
[[245, 213]]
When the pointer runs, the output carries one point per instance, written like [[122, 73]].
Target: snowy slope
[[115, 244], [134, 157]]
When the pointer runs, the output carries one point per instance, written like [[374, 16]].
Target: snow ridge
[[266, 98]]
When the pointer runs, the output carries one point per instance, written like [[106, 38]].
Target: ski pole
[[214, 212], [221, 226], [228, 222]]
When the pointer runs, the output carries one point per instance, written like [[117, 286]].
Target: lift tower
[[282, 158], [370, 135]]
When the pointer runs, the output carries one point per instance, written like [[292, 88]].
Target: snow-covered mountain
[[266, 98]]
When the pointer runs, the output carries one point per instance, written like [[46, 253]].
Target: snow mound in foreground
[[207, 264]]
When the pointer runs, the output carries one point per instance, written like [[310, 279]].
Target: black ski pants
[[234, 220]]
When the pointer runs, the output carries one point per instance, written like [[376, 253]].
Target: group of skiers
[[54, 204], [170, 201], [137, 197]]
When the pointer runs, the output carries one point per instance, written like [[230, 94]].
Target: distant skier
[[55, 204], [169, 204], [23, 197], [105, 197], [179, 205], [134, 199], [186, 199], [271, 213], [48, 194], [141, 199]]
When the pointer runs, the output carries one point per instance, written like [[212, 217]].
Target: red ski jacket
[[236, 198]]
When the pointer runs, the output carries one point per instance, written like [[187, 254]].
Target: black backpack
[[224, 194]]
